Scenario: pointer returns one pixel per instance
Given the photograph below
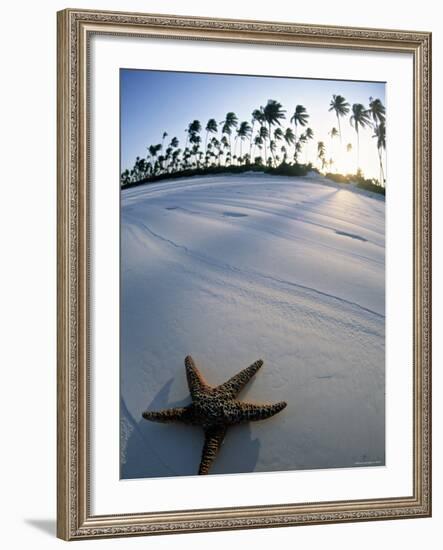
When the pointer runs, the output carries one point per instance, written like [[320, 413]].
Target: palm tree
[[161, 160], [194, 127], [216, 145], [174, 142], [229, 123], [300, 116], [309, 133], [154, 149], [168, 157], [243, 132], [298, 147], [144, 167], [341, 108], [150, 151], [125, 177], [285, 153], [272, 147], [278, 134], [165, 134], [333, 133], [258, 142], [225, 143], [136, 168], [195, 139], [264, 136], [380, 134], [289, 136], [219, 156], [377, 111], [211, 128], [257, 116], [359, 119], [186, 157], [321, 150], [195, 151], [175, 157], [273, 112]]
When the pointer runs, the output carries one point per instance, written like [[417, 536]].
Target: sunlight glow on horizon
[[153, 102]]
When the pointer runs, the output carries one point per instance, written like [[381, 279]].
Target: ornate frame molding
[[73, 511]]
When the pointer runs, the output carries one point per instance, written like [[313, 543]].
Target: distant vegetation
[[267, 143], [281, 170]]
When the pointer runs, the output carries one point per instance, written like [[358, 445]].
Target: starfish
[[215, 408]]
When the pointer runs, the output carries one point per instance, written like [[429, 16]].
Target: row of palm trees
[[264, 140]]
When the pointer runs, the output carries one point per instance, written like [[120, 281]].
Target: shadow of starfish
[[215, 408], [147, 449]]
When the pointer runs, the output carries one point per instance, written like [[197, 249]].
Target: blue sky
[[156, 101]]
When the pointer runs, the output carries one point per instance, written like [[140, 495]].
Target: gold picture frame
[[75, 28]]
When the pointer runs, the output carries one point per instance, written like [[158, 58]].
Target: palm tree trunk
[[250, 139], [270, 139], [206, 148], [295, 140], [382, 174], [339, 127]]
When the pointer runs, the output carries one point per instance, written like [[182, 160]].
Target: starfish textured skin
[[215, 408]]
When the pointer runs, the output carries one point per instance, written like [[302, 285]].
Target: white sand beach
[[234, 268]]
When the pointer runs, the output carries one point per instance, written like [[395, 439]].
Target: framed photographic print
[[243, 274]]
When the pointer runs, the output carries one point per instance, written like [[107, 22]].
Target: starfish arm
[[234, 385], [196, 382], [178, 414], [213, 440], [254, 411]]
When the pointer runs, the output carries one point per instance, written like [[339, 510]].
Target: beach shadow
[[48, 526], [161, 450], [327, 196], [351, 235], [234, 215], [239, 452]]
